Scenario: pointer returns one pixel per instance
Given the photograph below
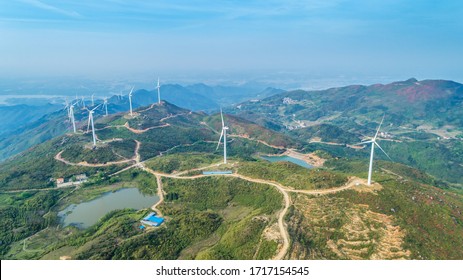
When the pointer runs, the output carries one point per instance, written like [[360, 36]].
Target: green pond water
[[87, 213], [299, 162]]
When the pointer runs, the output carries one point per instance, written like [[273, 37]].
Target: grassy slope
[[292, 175], [430, 219], [205, 207], [238, 236], [206, 212]]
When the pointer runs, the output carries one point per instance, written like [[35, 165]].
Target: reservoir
[[297, 161], [87, 213]]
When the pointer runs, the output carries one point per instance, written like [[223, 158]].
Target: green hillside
[[423, 121], [262, 210]]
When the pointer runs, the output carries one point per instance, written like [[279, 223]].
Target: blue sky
[[364, 38]]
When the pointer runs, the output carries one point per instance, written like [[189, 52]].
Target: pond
[[297, 161], [87, 213]]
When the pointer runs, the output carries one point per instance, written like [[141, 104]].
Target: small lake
[[87, 213], [297, 161]]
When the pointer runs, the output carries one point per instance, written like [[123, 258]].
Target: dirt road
[[135, 158]]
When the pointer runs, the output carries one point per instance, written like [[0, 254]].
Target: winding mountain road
[[284, 190], [140, 131]]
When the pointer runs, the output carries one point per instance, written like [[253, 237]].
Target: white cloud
[[48, 7]]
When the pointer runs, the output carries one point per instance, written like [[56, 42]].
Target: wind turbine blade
[[377, 131], [94, 108], [363, 142], [220, 139], [221, 115], [88, 124], [131, 91], [383, 150]]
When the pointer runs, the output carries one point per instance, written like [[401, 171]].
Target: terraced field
[[327, 227]]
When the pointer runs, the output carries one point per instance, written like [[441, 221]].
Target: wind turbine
[[90, 121], [224, 134], [67, 108], [373, 143], [71, 115], [105, 105], [83, 103], [130, 101], [159, 92]]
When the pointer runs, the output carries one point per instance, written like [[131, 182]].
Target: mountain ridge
[[163, 149], [20, 136]]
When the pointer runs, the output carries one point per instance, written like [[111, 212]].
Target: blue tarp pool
[[152, 220]]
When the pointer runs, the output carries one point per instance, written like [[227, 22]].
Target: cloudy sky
[[322, 38]]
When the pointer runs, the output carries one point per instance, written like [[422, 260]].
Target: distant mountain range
[[409, 103], [35, 124], [14, 117]]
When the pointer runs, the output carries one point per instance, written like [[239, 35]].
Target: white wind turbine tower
[[373, 143], [158, 87], [67, 108], [224, 134], [130, 101], [71, 114], [105, 105], [90, 121]]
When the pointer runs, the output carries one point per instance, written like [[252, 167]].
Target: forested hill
[[411, 103], [423, 122]]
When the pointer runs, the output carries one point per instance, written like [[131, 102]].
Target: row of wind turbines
[[69, 106], [223, 134], [90, 123]]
